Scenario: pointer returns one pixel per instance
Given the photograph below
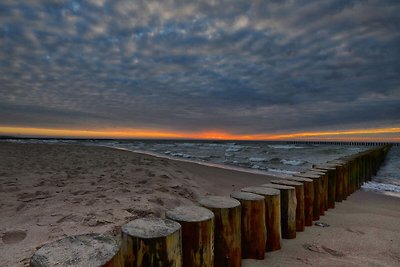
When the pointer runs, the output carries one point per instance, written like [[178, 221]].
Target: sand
[[51, 191]]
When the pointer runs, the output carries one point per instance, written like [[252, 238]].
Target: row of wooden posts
[[222, 230]]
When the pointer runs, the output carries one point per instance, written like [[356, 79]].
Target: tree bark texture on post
[[318, 192], [254, 230], [151, 242], [272, 215], [227, 231], [308, 197], [299, 187], [197, 234], [288, 209], [324, 178]]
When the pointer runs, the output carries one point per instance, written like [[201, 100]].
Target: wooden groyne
[[344, 143], [221, 232]]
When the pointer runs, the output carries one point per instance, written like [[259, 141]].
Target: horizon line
[[351, 135]]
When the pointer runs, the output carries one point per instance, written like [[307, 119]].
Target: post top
[[309, 175], [286, 182], [79, 251], [265, 191], [320, 171], [337, 161], [325, 166], [299, 179], [150, 227], [278, 186], [219, 202], [241, 195], [190, 214]]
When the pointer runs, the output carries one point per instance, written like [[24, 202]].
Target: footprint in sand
[[323, 249], [355, 231], [13, 237]]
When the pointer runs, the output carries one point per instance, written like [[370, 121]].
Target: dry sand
[[51, 191]]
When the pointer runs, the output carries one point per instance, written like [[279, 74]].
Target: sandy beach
[[51, 191]]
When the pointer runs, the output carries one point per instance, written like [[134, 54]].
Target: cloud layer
[[238, 66]]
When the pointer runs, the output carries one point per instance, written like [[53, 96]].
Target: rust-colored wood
[[288, 209], [151, 242], [318, 206], [82, 250], [340, 172], [227, 231], [308, 197], [197, 234], [272, 215], [324, 178], [332, 177], [254, 231], [299, 187]]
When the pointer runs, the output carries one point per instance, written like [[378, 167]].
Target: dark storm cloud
[[240, 66]]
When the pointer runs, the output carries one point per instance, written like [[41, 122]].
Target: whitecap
[[292, 162], [284, 146], [381, 187], [256, 159], [282, 171]]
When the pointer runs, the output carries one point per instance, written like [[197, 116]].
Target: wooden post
[[324, 178], [308, 197], [318, 206], [227, 235], [254, 231], [272, 215], [352, 175], [288, 209], [151, 242], [299, 187], [331, 171], [82, 250], [346, 175], [340, 169], [197, 234]]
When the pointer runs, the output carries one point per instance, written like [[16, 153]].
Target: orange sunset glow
[[376, 134]]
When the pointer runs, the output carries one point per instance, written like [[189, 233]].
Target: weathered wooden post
[[324, 178], [358, 170], [299, 187], [82, 250], [197, 234], [331, 171], [227, 231], [340, 169], [349, 166], [288, 209], [151, 242], [272, 215], [308, 197], [318, 186], [346, 176], [254, 230]]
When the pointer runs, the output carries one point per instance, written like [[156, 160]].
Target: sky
[[201, 69]]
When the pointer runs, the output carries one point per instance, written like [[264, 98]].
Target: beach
[[51, 191]]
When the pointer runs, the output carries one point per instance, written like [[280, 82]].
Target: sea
[[250, 156]]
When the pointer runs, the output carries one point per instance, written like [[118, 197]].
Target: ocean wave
[[257, 159], [258, 167], [282, 171], [233, 149], [284, 146], [381, 187], [275, 160], [180, 155], [293, 162]]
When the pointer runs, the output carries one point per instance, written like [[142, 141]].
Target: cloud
[[243, 67]]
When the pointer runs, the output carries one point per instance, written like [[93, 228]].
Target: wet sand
[[51, 191]]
